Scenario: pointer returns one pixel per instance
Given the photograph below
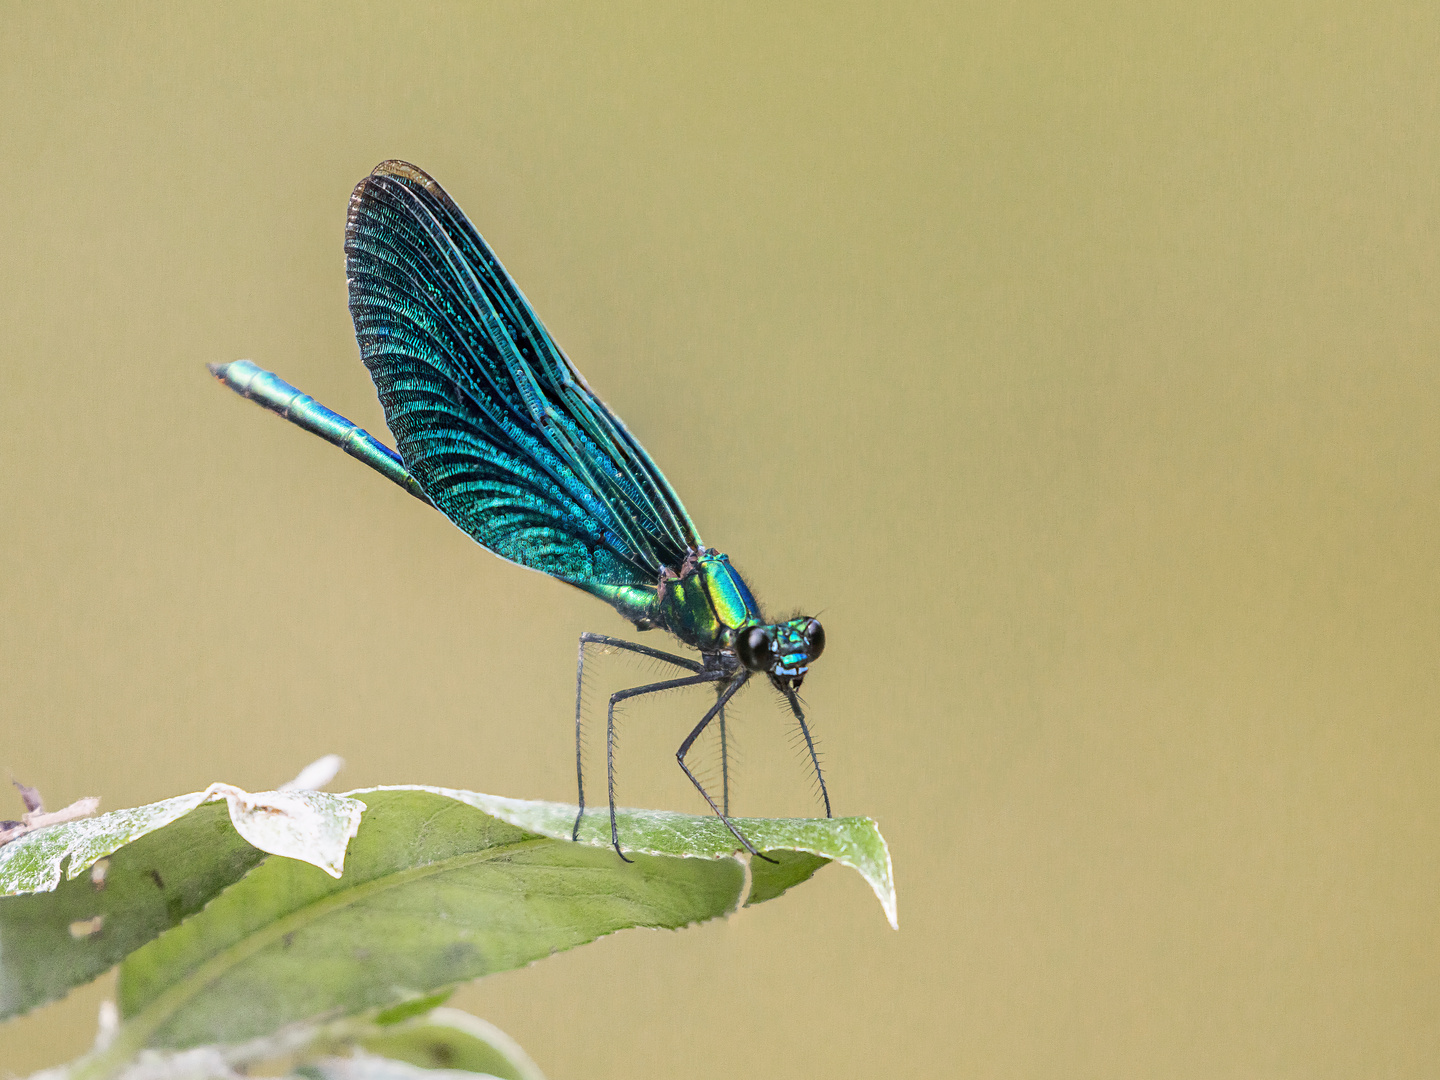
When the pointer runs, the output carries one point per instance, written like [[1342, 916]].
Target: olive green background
[[1081, 366]]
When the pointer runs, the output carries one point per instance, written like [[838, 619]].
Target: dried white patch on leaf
[[83, 928], [311, 826]]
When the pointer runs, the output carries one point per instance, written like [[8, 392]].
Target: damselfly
[[498, 430]]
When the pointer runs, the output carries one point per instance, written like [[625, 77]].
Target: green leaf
[[439, 887], [435, 893], [132, 874], [442, 887], [851, 841]]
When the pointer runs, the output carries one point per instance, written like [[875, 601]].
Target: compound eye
[[754, 649], [814, 638]]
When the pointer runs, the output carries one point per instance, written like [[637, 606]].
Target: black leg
[[736, 682], [724, 759], [622, 695], [809, 745], [618, 643]]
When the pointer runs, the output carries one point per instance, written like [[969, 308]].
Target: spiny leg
[[737, 681], [588, 638], [809, 745], [724, 759], [622, 695]]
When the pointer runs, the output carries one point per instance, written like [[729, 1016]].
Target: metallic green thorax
[[706, 602]]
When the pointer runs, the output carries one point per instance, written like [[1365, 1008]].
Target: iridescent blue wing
[[492, 419]]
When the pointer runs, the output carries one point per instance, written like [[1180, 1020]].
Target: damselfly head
[[784, 651]]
